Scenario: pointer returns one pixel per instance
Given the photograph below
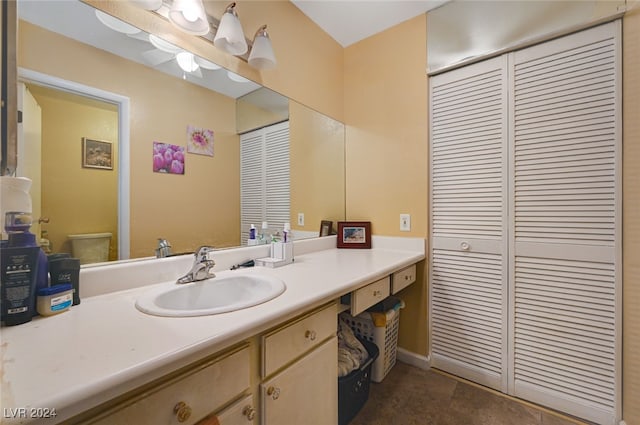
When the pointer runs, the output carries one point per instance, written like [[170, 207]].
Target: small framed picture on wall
[[97, 154]]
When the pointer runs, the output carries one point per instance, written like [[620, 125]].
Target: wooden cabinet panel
[[403, 278], [286, 344], [306, 392], [369, 295], [242, 412], [202, 390]]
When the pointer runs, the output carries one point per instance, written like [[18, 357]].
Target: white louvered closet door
[[265, 178], [566, 267], [468, 250], [532, 267]]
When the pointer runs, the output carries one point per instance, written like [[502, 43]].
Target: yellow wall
[[162, 205], [66, 185], [253, 117], [387, 149], [317, 168], [631, 215]]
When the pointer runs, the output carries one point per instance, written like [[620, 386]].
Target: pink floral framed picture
[[199, 141], [168, 158]]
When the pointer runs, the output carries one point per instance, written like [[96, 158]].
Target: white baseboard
[[413, 359]]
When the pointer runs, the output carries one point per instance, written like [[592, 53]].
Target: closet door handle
[[464, 245]]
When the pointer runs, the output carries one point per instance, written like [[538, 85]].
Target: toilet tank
[[90, 247]]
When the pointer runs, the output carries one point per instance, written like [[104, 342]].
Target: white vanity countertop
[[105, 346]]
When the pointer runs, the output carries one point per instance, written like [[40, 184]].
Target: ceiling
[[349, 21]]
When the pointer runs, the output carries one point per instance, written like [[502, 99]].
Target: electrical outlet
[[405, 222], [300, 219]]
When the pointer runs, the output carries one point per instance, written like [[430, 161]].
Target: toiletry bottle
[[263, 233], [252, 232], [45, 243], [55, 299], [18, 273], [286, 233], [66, 270], [27, 239]]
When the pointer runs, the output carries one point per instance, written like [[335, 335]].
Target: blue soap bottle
[[23, 270]]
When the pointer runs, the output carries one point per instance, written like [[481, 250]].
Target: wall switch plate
[[405, 222], [300, 219]]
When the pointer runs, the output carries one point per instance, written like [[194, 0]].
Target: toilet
[[90, 247]]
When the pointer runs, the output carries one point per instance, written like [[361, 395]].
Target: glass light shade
[[148, 4], [262, 56], [237, 78], [186, 61], [115, 23], [163, 45], [206, 64], [189, 16], [230, 36]]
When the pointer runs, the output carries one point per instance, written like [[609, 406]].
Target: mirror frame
[[9, 145]]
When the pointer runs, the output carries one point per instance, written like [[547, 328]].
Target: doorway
[[75, 196]]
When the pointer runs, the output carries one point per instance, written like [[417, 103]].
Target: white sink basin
[[221, 294]]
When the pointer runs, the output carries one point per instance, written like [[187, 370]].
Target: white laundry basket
[[383, 332]]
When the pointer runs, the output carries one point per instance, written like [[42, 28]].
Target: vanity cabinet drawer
[[365, 297], [288, 343], [403, 278], [242, 412], [188, 398]]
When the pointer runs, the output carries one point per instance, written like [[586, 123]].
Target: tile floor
[[412, 396]]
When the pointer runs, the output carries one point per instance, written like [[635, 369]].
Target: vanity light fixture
[[116, 24], [262, 56], [230, 36], [163, 45], [148, 4], [187, 62], [206, 64], [189, 16], [237, 78]]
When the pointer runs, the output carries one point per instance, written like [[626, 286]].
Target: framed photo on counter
[[326, 228], [354, 234]]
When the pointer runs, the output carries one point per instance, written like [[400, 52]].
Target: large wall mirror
[[102, 102]]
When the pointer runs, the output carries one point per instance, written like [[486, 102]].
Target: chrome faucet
[[202, 266], [163, 249]]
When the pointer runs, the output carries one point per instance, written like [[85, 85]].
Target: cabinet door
[[305, 392]]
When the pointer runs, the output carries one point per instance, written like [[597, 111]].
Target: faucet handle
[[203, 254]]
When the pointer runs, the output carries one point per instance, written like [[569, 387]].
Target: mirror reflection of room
[[166, 104]]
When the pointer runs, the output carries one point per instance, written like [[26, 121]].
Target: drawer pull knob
[[377, 293], [273, 392], [465, 246], [407, 277], [249, 412], [311, 335], [182, 411]]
